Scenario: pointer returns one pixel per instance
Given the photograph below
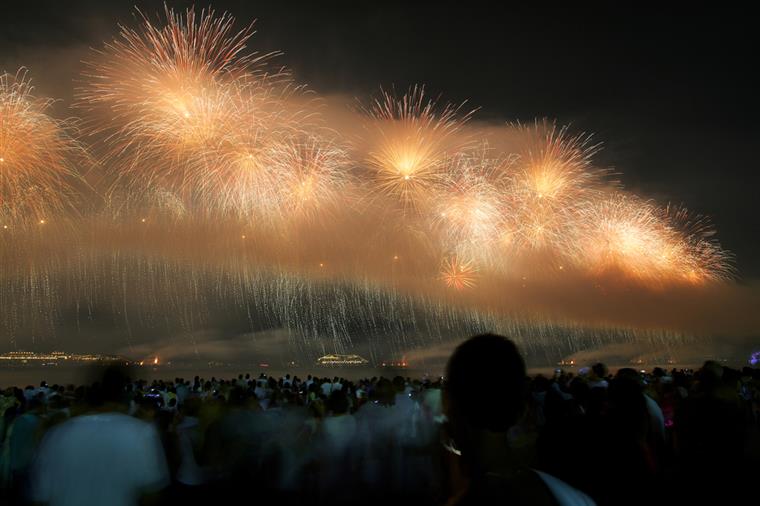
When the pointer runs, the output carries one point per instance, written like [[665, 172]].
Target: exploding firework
[[458, 274], [168, 98], [316, 175], [238, 178], [39, 158], [554, 175], [703, 259], [626, 233], [409, 141], [647, 243], [470, 210]]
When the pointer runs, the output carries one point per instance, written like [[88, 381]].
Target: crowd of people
[[485, 433]]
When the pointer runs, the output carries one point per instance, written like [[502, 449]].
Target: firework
[[409, 140], [38, 157], [458, 274], [316, 176], [703, 259], [648, 243], [237, 178], [276, 179], [469, 207], [166, 205], [219, 186], [167, 97], [553, 176]]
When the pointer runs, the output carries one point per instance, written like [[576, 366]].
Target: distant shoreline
[[78, 374]]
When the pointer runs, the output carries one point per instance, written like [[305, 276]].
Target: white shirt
[[189, 472], [564, 493], [99, 459], [44, 390], [260, 391], [182, 393], [338, 432]]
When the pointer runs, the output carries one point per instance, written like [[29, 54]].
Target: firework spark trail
[[159, 292]]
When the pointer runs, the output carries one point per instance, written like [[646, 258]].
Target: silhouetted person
[[485, 395], [18, 449], [711, 441]]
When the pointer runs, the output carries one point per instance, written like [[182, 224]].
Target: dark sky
[[671, 93]]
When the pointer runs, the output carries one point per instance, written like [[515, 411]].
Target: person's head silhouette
[[485, 394], [485, 384]]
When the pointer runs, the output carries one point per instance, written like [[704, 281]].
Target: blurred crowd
[[485, 433]]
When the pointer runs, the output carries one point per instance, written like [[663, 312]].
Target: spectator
[[103, 457], [485, 396]]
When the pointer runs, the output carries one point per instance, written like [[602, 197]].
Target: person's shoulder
[[114, 417], [564, 493], [118, 421], [80, 429]]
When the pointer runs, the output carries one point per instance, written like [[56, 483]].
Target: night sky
[[671, 93]]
